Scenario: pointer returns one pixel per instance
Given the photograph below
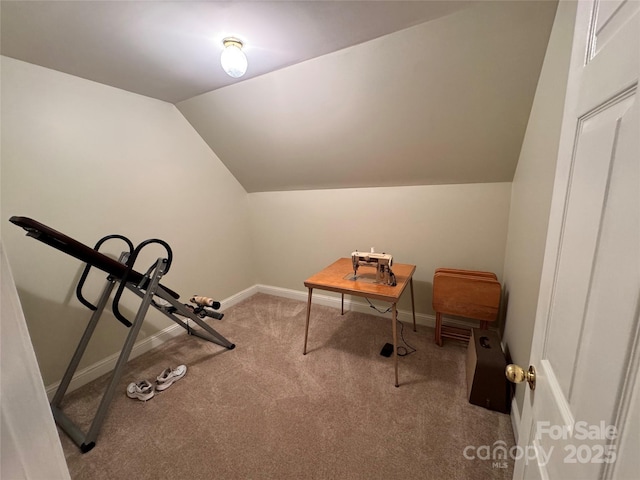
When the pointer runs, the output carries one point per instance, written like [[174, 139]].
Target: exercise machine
[[146, 285]]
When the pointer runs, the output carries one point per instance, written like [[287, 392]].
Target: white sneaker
[[142, 390], [170, 375]]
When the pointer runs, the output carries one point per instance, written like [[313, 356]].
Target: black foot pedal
[[387, 350]]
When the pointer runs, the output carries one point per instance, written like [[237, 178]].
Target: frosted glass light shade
[[233, 59]]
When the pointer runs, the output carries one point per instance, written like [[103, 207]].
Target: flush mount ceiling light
[[233, 59]]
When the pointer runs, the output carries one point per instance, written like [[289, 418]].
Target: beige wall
[[460, 226], [531, 193], [91, 160]]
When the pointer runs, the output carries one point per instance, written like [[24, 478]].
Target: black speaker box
[[487, 385]]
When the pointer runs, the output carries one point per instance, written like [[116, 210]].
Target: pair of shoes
[[144, 390]]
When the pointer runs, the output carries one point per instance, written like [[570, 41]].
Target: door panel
[[611, 313], [586, 198], [610, 16]]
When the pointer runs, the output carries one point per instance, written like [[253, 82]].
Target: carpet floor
[[266, 411]]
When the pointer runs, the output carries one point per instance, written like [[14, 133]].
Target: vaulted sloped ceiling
[[338, 93], [445, 101], [170, 49]]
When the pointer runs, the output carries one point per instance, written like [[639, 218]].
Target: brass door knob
[[517, 374]]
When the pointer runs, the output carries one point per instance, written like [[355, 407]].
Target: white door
[[582, 420]]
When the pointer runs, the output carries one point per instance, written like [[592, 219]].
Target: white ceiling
[[170, 50], [337, 94]]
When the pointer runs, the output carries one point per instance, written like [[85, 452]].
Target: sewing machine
[[381, 261]]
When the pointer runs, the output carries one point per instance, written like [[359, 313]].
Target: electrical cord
[[408, 349], [376, 308]]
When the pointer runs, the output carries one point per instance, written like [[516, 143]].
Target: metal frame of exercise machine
[[146, 286]]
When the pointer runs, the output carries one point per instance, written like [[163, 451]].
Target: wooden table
[[338, 277]]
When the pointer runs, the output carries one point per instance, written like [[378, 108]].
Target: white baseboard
[[515, 418], [238, 297], [106, 365], [349, 304]]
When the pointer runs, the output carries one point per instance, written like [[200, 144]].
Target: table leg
[[395, 342], [413, 306], [438, 329], [342, 305], [306, 330]]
